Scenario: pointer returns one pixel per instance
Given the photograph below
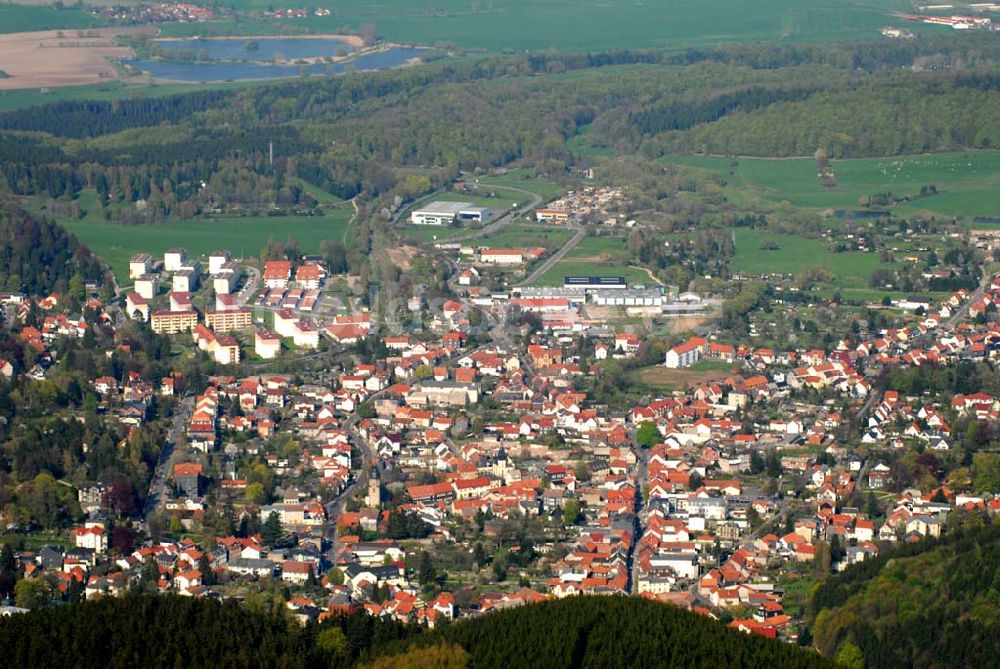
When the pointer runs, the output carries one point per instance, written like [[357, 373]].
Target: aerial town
[[473, 458], [500, 334]]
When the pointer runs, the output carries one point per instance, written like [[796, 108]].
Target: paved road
[[158, 484], [975, 297], [641, 479], [556, 257]]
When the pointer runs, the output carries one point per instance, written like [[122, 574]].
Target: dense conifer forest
[[163, 631]]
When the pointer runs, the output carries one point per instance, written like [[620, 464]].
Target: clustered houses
[[597, 204], [128, 401], [467, 437], [290, 290]]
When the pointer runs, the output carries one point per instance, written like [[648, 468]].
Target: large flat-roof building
[[596, 282], [632, 297], [446, 213]]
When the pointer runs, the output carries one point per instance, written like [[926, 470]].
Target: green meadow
[[604, 248], [244, 237], [968, 181], [525, 236], [796, 254], [523, 179], [587, 25]]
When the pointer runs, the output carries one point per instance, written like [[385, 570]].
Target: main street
[[164, 467]]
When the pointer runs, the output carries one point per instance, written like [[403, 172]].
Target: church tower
[[374, 497]]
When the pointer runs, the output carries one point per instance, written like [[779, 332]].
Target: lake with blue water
[[281, 48], [177, 70]]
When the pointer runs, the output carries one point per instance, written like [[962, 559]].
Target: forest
[[169, 631], [39, 257], [929, 604]]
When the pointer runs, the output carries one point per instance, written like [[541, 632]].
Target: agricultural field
[[518, 25], [968, 182], [571, 25], [22, 18], [796, 254], [245, 237], [62, 58]]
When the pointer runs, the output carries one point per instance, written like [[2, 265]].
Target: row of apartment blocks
[[174, 260], [186, 273]]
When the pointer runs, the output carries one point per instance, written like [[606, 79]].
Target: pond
[[251, 48], [175, 70]]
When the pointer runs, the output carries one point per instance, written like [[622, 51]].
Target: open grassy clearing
[[607, 249], [968, 181], [521, 236], [431, 233], [503, 201], [797, 254], [319, 194], [583, 146], [244, 237], [525, 180], [663, 378]]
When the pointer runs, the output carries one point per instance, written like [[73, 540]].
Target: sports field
[[244, 237], [968, 182]]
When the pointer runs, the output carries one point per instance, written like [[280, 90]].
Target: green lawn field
[[525, 180], [524, 236], [609, 248], [968, 181], [244, 237], [796, 254]]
